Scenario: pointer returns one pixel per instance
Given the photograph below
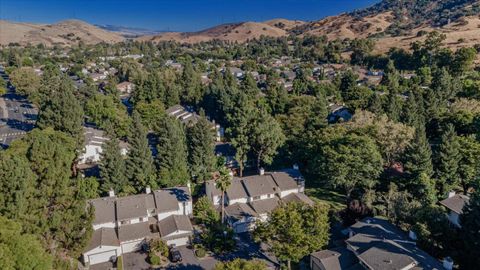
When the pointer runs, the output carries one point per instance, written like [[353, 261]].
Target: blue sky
[[173, 15]]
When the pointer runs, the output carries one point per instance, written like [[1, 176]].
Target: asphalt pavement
[[17, 114]]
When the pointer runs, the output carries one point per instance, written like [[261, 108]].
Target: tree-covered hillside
[[411, 13]]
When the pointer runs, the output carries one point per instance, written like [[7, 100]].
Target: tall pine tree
[[201, 156], [140, 168], [172, 153], [448, 160], [419, 155], [112, 168]]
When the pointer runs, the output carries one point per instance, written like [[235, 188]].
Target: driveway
[[102, 266], [135, 261], [190, 261]]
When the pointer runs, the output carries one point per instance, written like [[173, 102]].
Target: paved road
[[17, 115]]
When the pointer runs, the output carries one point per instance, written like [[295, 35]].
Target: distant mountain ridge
[[66, 32], [129, 32], [234, 32], [392, 23]]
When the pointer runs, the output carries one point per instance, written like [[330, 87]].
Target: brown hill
[[461, 33], [63, 33], [284, 23], [345, 26], [234, 32]]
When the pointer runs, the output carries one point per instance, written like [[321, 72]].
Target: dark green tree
[[239, 130], [470, 233], [112, 168], [19, 250], [448, 160], [61, 110], [295, 230], [172, 153], [191, 84], [140, 167], [204, 212], [418, 158], [266, 137], [201, 149], [469, 165], [348, 161]]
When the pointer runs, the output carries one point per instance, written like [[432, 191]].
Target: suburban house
[[252, 198], [94, 139], [338, 112], [125, 224], [125, 88], [98, 76], [189, 117], [226, 150], [455, 203], [376, 244], [93, 142], [235, 71]]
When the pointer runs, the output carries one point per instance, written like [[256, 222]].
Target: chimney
[[148, 190], [230, 173], [111, 193], [451, 194], [448, 263], [295, 166], [189, 186], [261, 171]]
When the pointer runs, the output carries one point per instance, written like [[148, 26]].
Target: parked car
[[175, 255]]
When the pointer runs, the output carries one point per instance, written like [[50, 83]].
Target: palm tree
[[222, 183]]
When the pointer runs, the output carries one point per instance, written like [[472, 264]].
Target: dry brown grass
[[63, 33], [240, 32]]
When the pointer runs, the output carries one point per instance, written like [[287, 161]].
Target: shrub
[[158, 246], [154, 259], [200, 252], [119, 263]]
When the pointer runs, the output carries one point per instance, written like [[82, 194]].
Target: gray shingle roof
[[167, 199], [239, 211], [103, 237], [298, 197], [386, 256], [336, 258], [286, 179], [265, 206], [236, 190], [257, 185], [131, 207], [381, 245], [134, 231], [456, 203], [104, 210], [173, 224]]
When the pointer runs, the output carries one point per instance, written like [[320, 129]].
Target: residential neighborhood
[[305, 135]]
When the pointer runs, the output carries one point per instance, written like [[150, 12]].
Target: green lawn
[[335, 199]]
